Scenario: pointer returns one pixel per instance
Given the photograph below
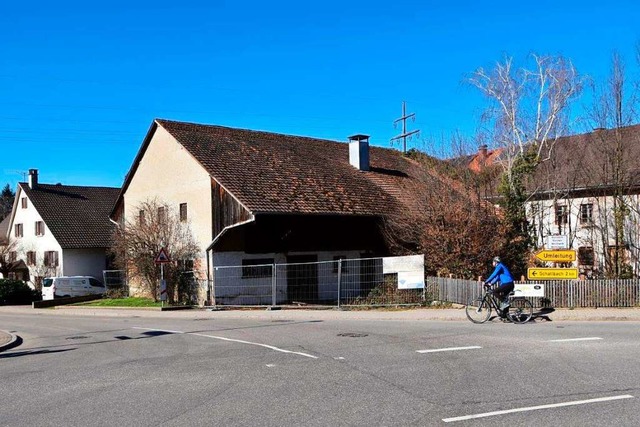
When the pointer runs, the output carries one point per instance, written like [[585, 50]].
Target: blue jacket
[[501, 273]]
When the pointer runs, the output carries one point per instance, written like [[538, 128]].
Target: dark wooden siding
[[226, 210]]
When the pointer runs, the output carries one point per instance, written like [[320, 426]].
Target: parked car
[[71, 286]]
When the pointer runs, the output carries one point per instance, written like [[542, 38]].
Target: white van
[[70, 286]]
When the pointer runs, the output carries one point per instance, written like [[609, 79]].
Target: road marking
[[435, 350], [577, 339], [255, 343], [535, 408], [232, 340]]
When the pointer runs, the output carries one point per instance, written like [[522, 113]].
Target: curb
[[14, 341]]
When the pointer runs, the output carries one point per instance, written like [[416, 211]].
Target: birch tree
[[528, 110]]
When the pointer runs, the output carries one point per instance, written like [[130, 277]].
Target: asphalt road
[[148, 371]]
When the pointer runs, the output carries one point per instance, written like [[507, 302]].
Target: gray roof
[[77, 216]]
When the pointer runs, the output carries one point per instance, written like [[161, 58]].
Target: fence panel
[[115, 281], [351, 282], [558, 293]]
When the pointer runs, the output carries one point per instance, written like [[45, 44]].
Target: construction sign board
[[162, 257], [552, 273], [561, 255]]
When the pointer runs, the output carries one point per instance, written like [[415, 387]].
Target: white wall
[[84, 262], [30, 242], [168, 173], [589, 235]]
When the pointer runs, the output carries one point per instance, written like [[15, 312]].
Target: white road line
[[535, 408], [435, 350], [577, 339], [232, 340], [255, 343]]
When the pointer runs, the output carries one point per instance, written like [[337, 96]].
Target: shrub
[[16, 292]]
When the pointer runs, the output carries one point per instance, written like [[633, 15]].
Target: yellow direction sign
[[552, 273], [562, 255]]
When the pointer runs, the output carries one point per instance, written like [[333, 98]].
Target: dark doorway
[[302, 279]]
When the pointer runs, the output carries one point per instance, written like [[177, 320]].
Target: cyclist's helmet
[[496, 259]]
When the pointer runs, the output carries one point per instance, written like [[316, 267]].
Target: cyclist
[[501, 275]]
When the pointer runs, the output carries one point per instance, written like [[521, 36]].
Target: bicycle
[[478, 310]]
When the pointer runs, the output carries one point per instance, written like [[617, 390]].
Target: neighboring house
[[255, 197], [576, 192], [61, 230]]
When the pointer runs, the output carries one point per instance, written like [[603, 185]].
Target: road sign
[[558, 242], [566, 255], [162, 257], [552, 273]]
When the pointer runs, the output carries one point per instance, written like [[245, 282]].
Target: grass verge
[[123, 302]]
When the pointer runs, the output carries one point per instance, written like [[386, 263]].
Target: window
[[585, 255], [31, 258], [185, 265], [95, 283], [141, 217], [586, 213], [51, 258], [39, 228], [562, 215], [162, 215], [23, 202], [183, 212], [19, 230], [255, 268], [13, 256]]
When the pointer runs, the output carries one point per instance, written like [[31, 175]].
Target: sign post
[[162, 258]]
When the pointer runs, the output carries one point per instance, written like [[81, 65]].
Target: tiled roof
[[275, 173], [585, 160], [78, 217]]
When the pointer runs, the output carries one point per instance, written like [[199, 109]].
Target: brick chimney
[[33, 178], [482, 150], [359, 152]]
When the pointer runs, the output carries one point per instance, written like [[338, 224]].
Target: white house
[[61, 230], [588, 190]]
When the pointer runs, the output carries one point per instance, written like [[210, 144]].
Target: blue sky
[[80, 83]]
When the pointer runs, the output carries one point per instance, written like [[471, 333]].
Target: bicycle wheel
[[520, 310], [478, 310]]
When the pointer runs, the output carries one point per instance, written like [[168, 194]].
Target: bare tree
[[528, 106], [527, 113], [615, 106], [6, 247], [137, 244], [456, 230]]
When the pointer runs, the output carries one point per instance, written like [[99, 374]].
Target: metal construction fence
[[115, 280], [329, 283], [364, 282], [558, 293]]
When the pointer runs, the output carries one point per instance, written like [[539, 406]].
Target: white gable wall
[[168, 173], [30, 242]]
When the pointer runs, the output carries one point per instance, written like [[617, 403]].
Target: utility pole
[[404, 135]]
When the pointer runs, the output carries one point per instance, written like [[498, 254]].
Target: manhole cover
[[352, 335], [79, 337]]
